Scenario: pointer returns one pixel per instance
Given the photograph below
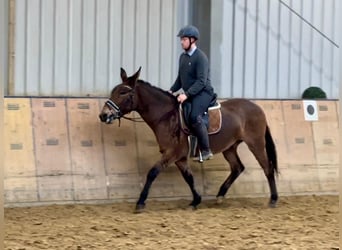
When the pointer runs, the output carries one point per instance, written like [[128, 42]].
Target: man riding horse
[[194, 78]]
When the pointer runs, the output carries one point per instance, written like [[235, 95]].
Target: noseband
[[117, 114], [113, 106]]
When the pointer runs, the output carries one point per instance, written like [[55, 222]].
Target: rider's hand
[[181, 98]]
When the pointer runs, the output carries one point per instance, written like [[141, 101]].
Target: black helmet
[[189, 31]]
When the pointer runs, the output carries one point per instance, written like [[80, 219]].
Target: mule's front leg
[[188, 177], [151, 176]]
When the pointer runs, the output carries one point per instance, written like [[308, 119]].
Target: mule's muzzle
[[108, 119]]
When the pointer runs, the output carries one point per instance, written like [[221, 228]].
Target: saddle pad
[[215, 119]]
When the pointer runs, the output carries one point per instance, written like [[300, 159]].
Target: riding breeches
[[199, 105]]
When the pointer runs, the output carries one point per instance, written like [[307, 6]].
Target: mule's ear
[[123, 75], [137, 74], [133, 79]]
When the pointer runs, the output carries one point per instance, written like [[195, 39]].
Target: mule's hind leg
[[259, 151], [236, 169], [151, 176], [188, 177]]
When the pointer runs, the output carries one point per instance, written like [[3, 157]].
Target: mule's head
[[121, 99]]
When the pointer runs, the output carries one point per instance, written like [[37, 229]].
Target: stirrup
[[201, 158]]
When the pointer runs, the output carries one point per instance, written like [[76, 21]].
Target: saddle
[[212, 119]]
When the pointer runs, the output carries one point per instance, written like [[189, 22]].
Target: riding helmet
[[189, 31]]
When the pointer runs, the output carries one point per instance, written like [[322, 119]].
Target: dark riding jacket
[[193, 74]]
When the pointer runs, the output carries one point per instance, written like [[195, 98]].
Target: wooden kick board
[[326, 142], [51, 136], [329, 179], [120, 150], [337, 103], [90, 187], [327, 111], [251, 182], [19, 157], [20, 189], [275, 120], [85, 137], [87, 157], [301, 179], [147, 147], [120, 154], [326, 134], [124, 186], [299, 135], [56, 188], [170, 183]]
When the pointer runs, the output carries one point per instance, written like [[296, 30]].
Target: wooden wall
[[57, 151]]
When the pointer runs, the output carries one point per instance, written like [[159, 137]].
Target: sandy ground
[[308, 222]]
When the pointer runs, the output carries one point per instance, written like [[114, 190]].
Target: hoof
[[272, 204], [191, 207], [219, 200], [139, 208]]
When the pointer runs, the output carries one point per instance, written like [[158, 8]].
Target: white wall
[[260, 49], [77, 47]]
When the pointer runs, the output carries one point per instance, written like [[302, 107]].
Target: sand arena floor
[[307, 222]]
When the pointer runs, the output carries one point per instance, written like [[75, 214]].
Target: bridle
[[117, 114]]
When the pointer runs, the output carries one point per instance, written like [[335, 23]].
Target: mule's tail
[[271, 151]]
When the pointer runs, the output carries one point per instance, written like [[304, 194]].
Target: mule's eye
[[123, 92]]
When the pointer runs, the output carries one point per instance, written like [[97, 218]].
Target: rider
[[194, 78]]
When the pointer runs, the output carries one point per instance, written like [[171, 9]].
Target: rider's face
[[185, 42]]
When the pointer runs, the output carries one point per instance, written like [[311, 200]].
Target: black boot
[[201, 132]]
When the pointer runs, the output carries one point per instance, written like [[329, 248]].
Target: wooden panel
[[170, 183], [85, 137], [247, 157], [293, 111], [303, 179], [299, 135], [212, 181], [120, 149], [283, 186], [90, 187], [338, 108], [249, 189], [326, 134], [252, 182], [329, 179], [51, 136], [55, 188], [21, 189], [275, 120], [87, 156], [124, 186], [147, 147], [18, 143], [327, 111], [326, 142]]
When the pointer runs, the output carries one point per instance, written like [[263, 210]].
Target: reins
[[134, 119]]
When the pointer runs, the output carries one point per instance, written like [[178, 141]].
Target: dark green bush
[[314, 93]]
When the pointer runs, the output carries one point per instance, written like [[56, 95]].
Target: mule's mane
[[161, 91], [174, 127]]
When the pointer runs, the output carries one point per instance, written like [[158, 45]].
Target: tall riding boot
[[201, 132]]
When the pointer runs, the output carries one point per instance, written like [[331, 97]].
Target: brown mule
[[242, 121]]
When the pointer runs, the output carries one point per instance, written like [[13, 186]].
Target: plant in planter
[[314, 93]]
